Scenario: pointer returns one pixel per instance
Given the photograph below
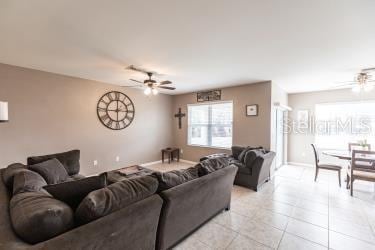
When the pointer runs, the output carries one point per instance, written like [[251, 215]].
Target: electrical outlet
[[117, 158], [95, 163], [181, 151]]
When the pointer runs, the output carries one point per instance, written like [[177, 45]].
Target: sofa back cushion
[[70, 160], [51, 170], [28, 181], [37, 216], [176, 177], [236, 151], [251, 155], [114, 197], [73, 192], [212, 165], [10, 172]]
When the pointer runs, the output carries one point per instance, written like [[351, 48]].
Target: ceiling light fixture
[[147, 91], [155, 91]]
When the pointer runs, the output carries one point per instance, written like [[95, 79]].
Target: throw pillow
[[114, 197], [241, 156], [211, 165], [174, 178], [10, 172], [51, 170], [251, 156], [28, 181], [73, 192], [70, 160], [236, 151], [38, 217]]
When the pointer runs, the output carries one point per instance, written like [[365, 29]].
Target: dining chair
[[326, 166], [356, 145], [362, 168]]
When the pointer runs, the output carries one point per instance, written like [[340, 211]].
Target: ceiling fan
[[150, 85], [363, 81]]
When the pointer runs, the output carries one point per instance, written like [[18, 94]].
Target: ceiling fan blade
[[165, 82], [132, 67], [135, 81], [132, 86], [344, 85], [165, 87]]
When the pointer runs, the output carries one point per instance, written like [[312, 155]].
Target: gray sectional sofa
[[189, 205], [131, 214]]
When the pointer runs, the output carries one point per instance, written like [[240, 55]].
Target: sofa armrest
[[262, 165], [123, 229]]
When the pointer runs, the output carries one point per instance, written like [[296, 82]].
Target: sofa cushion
[[51, 170], [37, 216], [174, 178], [10, 172], [244, 170], [251, 155], [114, 197], [236, 151], [73, 192], [213, 164], [28, 181], [70, 160], [235, 162], [241, 156]]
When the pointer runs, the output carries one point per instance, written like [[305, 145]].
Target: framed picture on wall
[[207, 96], [252, 110], [303, 118]]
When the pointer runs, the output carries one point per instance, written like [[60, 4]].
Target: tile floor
[[290, 212]]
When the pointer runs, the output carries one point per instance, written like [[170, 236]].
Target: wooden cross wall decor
[[179, 115]]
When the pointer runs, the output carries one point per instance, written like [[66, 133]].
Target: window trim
[[209, 103]]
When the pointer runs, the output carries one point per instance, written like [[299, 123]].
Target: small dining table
[[341, 154], [344, 154]]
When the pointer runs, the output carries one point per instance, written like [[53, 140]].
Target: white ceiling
[[302, 45]]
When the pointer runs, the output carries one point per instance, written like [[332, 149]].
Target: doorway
[[280, 137]]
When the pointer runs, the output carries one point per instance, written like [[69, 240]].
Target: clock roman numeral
[[100, 109], [109, 96], [109, 123], [117, 125], [117, 96], [104, 117]]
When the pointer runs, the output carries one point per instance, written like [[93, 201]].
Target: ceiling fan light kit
[[151, 86], [363, 82]]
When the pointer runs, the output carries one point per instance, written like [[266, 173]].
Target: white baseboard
[[300, 164], [186, 161], [150, 163]]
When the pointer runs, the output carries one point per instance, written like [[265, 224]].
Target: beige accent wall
[[246, 130], [299, 148], [51, 113]]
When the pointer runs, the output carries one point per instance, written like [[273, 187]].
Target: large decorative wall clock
[[115, 110]]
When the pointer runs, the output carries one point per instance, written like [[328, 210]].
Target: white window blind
[[210, 124], [338, 124]]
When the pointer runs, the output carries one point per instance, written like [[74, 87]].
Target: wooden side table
[[171, 153]]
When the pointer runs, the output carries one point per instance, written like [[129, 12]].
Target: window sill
[[213, 147]]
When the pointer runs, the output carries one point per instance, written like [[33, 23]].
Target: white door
[[279, 138]]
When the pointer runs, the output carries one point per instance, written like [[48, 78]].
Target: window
[[210, 124], [337, 124]]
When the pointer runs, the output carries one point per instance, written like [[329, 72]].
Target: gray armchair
[[254, 166]]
